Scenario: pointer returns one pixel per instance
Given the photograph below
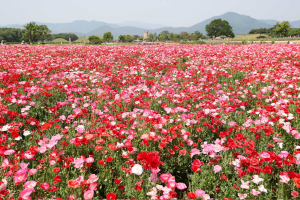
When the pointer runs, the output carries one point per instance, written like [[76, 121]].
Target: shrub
[[244, 41], [95, 39]]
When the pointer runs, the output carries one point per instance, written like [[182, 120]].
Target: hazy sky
[[167, 12]]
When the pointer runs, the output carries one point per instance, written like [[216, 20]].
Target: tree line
[[278, 30], [32, 33]]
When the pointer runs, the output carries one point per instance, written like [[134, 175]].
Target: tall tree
[[219, 27], [31, 31], [129, 38], [184, 35], [94, 39], [171, 36], [165, 33], [107, 37], [121, 38], [151, 37], [44, 32], [198, 34], [282, 29], [162, 38]]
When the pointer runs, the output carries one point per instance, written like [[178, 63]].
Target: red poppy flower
[[109, 159], [111, 196], [297, 182], [192, 195], [56, 170]]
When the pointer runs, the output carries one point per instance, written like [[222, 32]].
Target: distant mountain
[[117, 31], [295, 24], [13, 26], [269, 21], [141, 25], [79, 26], [241, 24]]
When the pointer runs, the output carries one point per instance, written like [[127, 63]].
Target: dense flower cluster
[[150, 122]]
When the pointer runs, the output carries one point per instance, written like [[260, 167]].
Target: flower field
[[150, 122]]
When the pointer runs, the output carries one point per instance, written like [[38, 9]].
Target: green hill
[[81, 39], [59, 40]]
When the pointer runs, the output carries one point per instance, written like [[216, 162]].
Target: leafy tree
[[166, 34], [294, 31], [107, 37], [282, 29], [171, 36], [219, 27], [11, 34], [141, 38], [162, 38], [122, 38], [151, 37], [136, 37], [184, 35], [198, 35], [193, 37], [44, 32], [129, 38], [94, 39], [31, 31]]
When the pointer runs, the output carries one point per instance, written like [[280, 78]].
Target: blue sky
[[167, 12]]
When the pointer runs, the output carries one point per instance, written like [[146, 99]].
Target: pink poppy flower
[[199, 193], [25, 194], [89, 194], [30, 184], [165, 177], [181, 186], [19, 178], [217, 168]]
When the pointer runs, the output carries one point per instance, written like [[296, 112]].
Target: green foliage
[[184, 35], [219, 27], [151, 37], [244, 41], [65, 36], [273, 42], [294, 32], [31, 31], [44, 32], [166, 34], [162, 38], [11, 34], [282, 29], [129, 38], [198, 35], [122, 38], [94, 39], [261, 31], [108, 37], [136, 37]]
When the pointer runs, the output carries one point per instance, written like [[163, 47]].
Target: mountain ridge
[[241, 24]]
